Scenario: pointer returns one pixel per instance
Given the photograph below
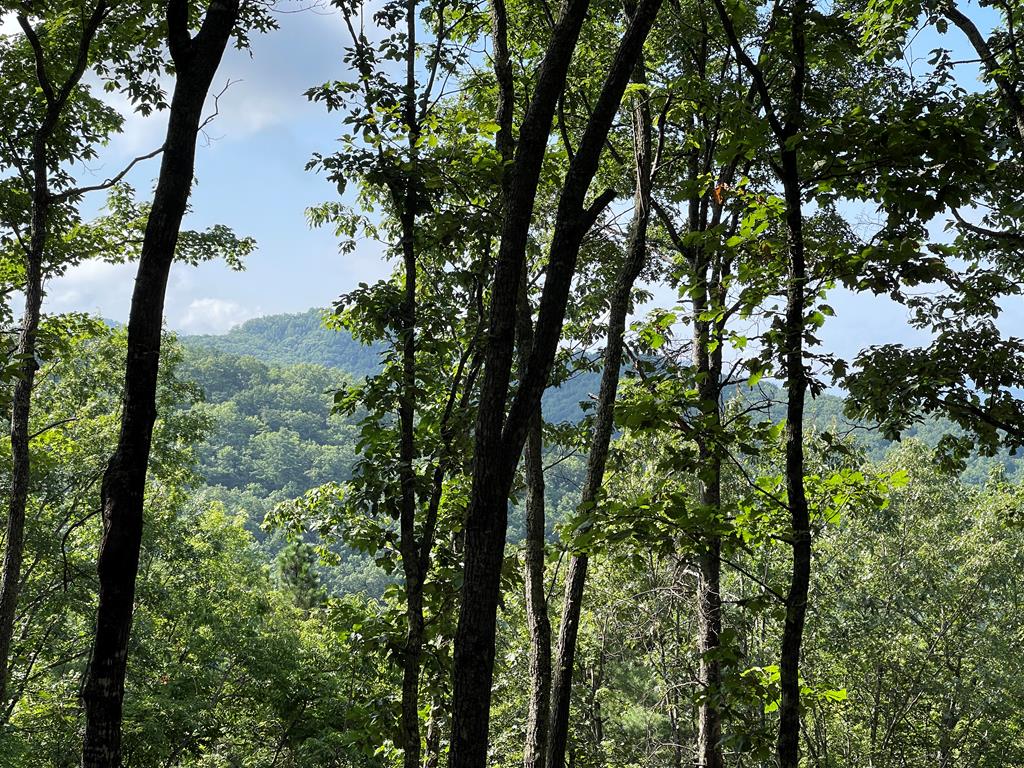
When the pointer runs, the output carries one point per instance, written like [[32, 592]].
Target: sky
[[251, 177]]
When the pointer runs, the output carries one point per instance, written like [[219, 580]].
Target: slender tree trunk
[[796, 385], [409, 546], [565, 658], [596, 680], [537, 619], [536, 604], [788, 748], [56, 97], [432, 756], [708, 364], [576, 576], [709, 617], [709, 587], [876, 711], [786, 129], [21, 411], [411, 662], [123, 489], [708, 367]]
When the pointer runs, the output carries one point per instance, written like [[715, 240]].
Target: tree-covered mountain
[[289, 339], [269, 386], [301, 338], [274, 435]]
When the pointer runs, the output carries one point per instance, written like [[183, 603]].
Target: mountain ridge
[[289, 339]]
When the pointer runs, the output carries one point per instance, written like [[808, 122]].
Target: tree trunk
[[21, 407], [536, 603], [409, 546], [123, 489], [432, 757], [796, 385], [788, 748], [708, 365], [786, 129], [493, 466], [575, 580], [537, 619], [709, 618]]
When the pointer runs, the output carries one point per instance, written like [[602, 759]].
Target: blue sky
[[250, 177]]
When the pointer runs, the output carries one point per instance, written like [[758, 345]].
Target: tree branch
[[756, 75], [40, 59], [992, 68], [1016, 238], [594, 210], [82, 60], [108, 183], [179, 42]]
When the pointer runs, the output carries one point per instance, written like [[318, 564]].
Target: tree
[[297, 573], [897, 385], [50, 122], [499, 438], [410, 156], [221, 660], [619, 304], [195, 60]]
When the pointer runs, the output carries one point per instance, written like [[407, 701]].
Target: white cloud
[[93, 286], [213, 316]]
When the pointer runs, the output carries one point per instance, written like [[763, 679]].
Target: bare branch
[[108, 183]]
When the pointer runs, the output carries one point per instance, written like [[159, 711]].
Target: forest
[[612, 468]]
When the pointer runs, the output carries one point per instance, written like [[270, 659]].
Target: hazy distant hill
[[295, 339]]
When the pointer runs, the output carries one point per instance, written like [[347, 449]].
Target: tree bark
[[796, 385], [536, 605], [708, 365], [788, 748], [21, 407], [409, 544], [432, 756], [499, 439], [123, 490], [709, 618]]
